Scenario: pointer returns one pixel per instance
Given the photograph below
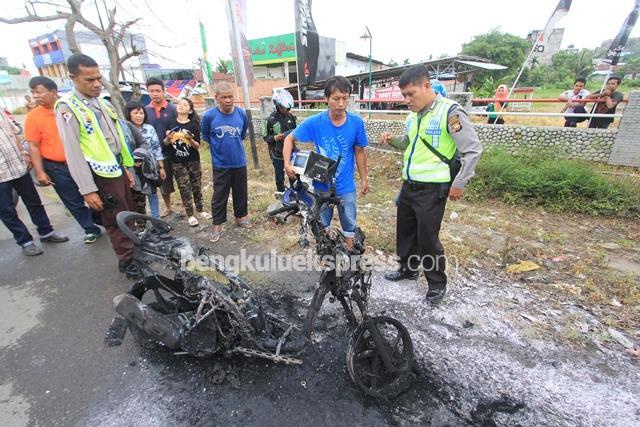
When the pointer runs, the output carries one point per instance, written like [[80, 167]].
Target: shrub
[[555, 184]]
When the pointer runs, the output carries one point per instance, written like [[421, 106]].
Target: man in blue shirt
[[225, 127], [336, 133]]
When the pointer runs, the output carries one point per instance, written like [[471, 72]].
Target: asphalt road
[[55, 369]]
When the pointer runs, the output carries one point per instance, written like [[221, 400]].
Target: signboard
[[271, 50], [392, 92]]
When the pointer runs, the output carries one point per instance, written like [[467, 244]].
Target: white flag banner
[[562, 9]]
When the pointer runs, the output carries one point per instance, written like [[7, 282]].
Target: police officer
[[445, 126], [97, 154], [278, 125]]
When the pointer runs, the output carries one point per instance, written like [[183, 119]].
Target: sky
[[401, 29]]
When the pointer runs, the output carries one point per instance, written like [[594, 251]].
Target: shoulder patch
[[454, 123]]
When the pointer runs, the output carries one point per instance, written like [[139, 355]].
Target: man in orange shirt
[[47, 154]]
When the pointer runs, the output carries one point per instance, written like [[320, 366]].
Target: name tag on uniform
[[433, 131]]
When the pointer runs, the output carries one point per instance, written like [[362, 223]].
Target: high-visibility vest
[[93, 143], [420, 164]]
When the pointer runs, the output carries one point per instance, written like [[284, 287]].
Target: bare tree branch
[[112, 35], [129, 55], [124, 27], [34, 18]]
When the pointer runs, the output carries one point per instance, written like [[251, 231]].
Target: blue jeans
[[346, 212], [154, 204], [29, 195], [68, 192]]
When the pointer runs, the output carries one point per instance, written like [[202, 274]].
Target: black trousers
[[278, 167], [29, 195], [227, 180], [420, 212], [600, 123]]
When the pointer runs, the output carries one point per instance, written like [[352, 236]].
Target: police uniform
[[446, 126], [278, 123], [97, 155]]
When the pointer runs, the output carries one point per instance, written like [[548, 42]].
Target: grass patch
[[558, 185]]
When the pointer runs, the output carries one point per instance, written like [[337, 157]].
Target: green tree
[[11, 70], [224, 66], [392, 63], [570, 65], [500, 48], [631, 66]]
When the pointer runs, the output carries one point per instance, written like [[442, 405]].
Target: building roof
[[363, 58], [439, 68]]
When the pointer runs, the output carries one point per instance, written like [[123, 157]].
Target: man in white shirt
[[570, 96]]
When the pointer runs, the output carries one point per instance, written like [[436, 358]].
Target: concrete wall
[[575, 143], [626, 150]]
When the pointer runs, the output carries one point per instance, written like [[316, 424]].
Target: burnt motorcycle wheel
[[364, 361], [314, 309]]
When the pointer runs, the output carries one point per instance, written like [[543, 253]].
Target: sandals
[[214, 236], [243, 222]]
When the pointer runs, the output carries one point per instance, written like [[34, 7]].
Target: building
[[50, 53], [455, 73], [274, 64], [548, 48]]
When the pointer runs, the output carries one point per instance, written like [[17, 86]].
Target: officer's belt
[[416, 185]]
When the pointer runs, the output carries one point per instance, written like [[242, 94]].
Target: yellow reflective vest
[[93, 143], [420, 164]]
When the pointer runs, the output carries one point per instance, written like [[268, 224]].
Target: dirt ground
[[555, 345]]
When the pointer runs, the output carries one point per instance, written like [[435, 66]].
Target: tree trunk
[[71, 37], [112, 85]]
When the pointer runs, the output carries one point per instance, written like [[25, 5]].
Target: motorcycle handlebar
[[125, 216], [285, 208]]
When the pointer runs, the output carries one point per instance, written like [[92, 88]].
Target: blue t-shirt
[[225, 134], [333, 142]]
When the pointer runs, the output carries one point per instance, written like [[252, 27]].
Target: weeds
[[557, 185]]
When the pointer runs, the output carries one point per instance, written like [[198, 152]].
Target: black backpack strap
[[436, 152]]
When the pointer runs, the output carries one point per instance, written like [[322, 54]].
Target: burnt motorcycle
[[380, 350], [179, 308]]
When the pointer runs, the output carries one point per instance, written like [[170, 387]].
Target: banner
[[561, 10], [274, 49], [239, 13], [316, 57], [618, 44], [206, 66]]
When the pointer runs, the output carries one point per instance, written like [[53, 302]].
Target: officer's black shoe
[[401, 274], [434, 296]]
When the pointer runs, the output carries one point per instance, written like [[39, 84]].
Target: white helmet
[[282, 98]]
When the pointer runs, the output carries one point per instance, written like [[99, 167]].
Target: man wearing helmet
[[279, 124]]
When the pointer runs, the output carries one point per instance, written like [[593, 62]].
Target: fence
[[616, 146]]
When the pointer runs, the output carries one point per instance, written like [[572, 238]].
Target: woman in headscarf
[[502, 92]]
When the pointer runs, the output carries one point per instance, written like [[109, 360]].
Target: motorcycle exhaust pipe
[[155, 325]]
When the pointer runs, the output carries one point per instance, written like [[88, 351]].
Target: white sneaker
[[204, 215], [193, 221]]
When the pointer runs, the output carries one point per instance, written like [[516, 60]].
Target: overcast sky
[[400, 28]]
